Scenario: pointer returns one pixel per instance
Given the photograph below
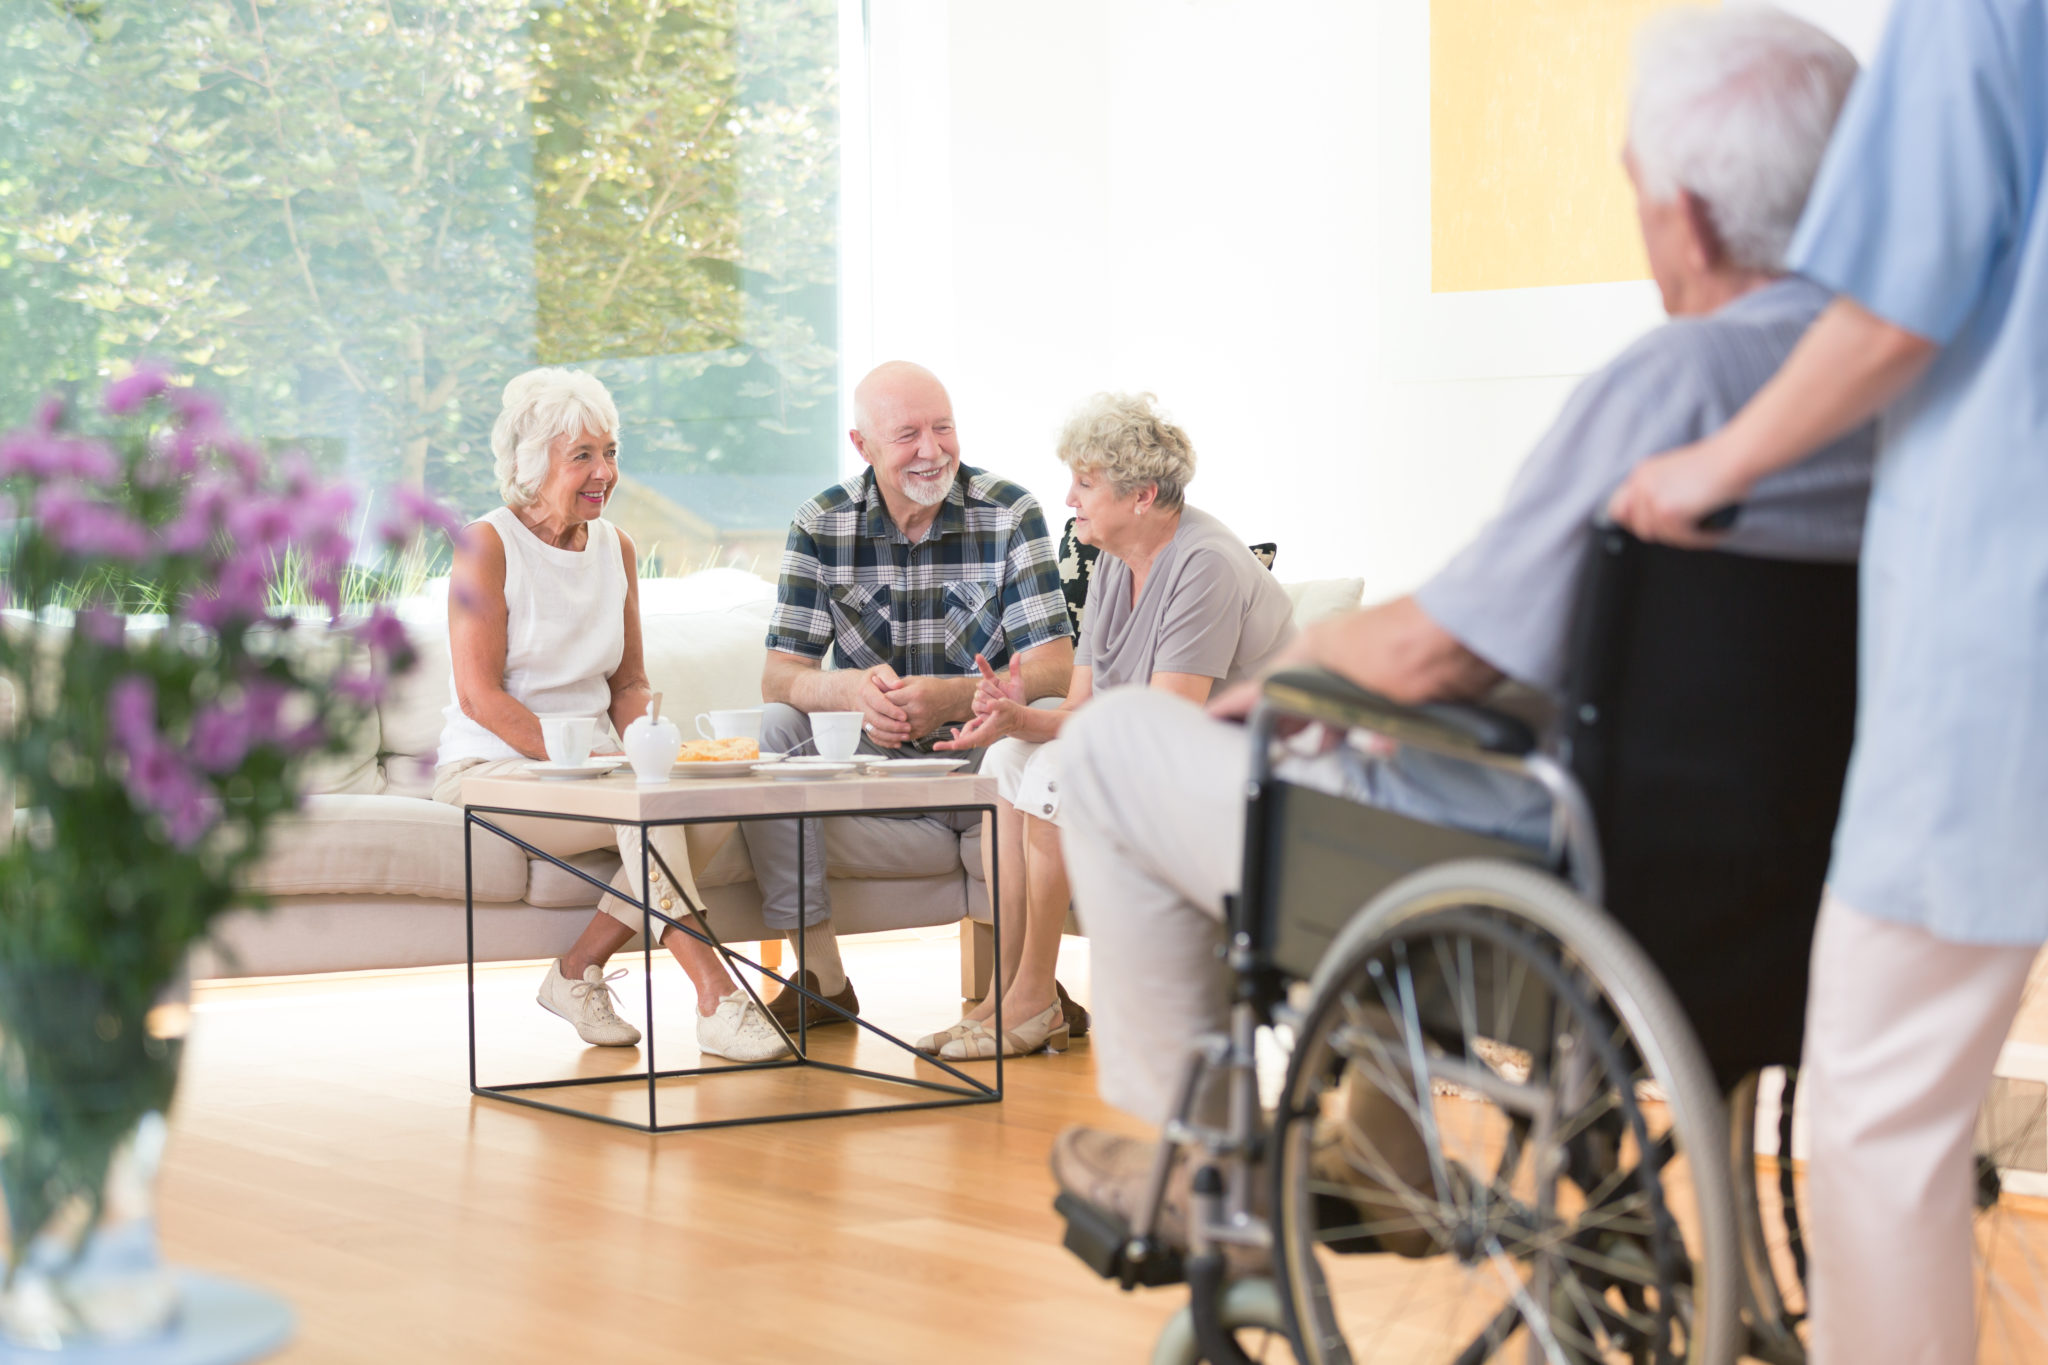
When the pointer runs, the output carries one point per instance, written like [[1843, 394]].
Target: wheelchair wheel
[[2011, 1251], [1250, 1310], [1498, 1139]]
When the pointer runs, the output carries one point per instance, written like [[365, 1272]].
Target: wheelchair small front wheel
[[1498, 1139], [1250, 1310]]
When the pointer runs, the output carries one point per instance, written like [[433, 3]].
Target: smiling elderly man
[[1731, 112], [904, 573]]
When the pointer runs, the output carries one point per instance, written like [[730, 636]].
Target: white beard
[[929, 492]]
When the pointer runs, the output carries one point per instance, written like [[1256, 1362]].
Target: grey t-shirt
[[1508, 595], [1208, 608]]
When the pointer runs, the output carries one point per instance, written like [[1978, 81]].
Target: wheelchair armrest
[[1324, 696]]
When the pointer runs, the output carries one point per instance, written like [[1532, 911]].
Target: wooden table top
[[620, 797]]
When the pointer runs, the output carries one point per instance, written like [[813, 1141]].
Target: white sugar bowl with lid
[[651, 747]]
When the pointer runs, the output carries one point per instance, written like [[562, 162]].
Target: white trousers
[[685, 848], [1153, 830], [1902, 1031]]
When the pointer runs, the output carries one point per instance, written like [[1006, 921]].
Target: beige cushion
[[410, 715], [1321, 597], [384, 845], [705, 660]]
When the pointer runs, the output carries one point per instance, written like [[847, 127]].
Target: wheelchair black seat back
[[1708, 726]]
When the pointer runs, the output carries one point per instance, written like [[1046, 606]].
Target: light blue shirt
[[1928, 213]]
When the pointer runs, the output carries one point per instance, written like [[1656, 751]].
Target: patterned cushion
[[1077, 570]]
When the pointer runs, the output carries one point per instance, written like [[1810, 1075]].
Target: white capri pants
[[684, 847], [1027, 775]]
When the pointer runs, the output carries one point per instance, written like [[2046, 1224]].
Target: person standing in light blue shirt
[[1928, 225]]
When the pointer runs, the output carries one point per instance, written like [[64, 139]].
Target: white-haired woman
[[1177, 603], [544, 616]]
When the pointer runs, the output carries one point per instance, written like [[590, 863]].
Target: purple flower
[[220, 738], [247, 459], [365, 689], [258, 521], [127, 395], [103, 627], [205, 508], [195, 408], [384, 635], [80, 524], [45, 455], [49, 415], [131, 712], [241, 592], [413, 511]]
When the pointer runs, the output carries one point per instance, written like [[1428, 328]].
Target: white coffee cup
[[837, 733], [568, 738], [730, 724]]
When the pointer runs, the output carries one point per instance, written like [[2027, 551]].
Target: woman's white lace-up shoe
[[739, 1032], [588, 1005]]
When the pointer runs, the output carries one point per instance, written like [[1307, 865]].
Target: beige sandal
[[932, 1042], [1045, 1031]]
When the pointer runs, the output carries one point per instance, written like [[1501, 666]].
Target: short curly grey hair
[[1126, 439], [541, 405]]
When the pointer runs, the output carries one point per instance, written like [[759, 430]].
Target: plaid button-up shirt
[[983, 580]]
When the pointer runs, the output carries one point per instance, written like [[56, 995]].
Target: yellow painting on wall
[[1528, 108]]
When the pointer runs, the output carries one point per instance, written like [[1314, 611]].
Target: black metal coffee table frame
[[970, 1090]]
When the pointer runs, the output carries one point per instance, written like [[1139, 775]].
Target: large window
[[358, 218]]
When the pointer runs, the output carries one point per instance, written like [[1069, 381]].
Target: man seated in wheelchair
[[1730, 114]]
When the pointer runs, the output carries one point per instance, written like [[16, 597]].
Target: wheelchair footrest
[[1103, 1242]]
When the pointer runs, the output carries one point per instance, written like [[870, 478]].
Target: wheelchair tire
[[1552, 1055], [1251, 1310]]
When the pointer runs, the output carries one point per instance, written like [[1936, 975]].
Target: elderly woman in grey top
[[1177, 604]]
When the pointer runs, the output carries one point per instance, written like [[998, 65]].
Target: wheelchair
[[1518, 1114]]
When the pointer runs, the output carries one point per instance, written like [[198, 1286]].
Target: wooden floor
[[326, 1145]]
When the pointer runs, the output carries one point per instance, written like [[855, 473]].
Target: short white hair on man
[[540, 406], [1736, 105], [1126, 439]]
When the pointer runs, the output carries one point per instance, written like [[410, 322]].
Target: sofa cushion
[[384, 845], [1321, 597], [410, 714]]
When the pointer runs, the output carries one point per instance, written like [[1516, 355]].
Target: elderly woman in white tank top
[[544, 616], [1177, 603]]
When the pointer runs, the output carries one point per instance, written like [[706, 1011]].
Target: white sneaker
[[739, 1032], [588, 1005]]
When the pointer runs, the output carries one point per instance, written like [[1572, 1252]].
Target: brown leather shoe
[[1076, 1015], [785, 1003]]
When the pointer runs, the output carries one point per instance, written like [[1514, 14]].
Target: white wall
[[1220, 201]]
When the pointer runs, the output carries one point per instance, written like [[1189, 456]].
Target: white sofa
[[370, 873]]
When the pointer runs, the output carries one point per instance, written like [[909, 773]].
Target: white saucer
[[724, 767], [572, 772], [801, 770], [913, 767]]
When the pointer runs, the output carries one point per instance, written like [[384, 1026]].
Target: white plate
[[571, 772], [913, 767], [815, 759], [794, 771], [724, 767]]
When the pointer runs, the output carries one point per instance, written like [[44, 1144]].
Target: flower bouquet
[[153, 754]]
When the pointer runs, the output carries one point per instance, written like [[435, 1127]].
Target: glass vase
[[86, 1078]]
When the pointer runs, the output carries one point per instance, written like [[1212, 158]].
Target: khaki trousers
[[1902, 1031], [685, 848]]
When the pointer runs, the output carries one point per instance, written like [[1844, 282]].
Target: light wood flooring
[[326, 1145]]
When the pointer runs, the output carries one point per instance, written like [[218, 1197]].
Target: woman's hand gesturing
[[998, 708]]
